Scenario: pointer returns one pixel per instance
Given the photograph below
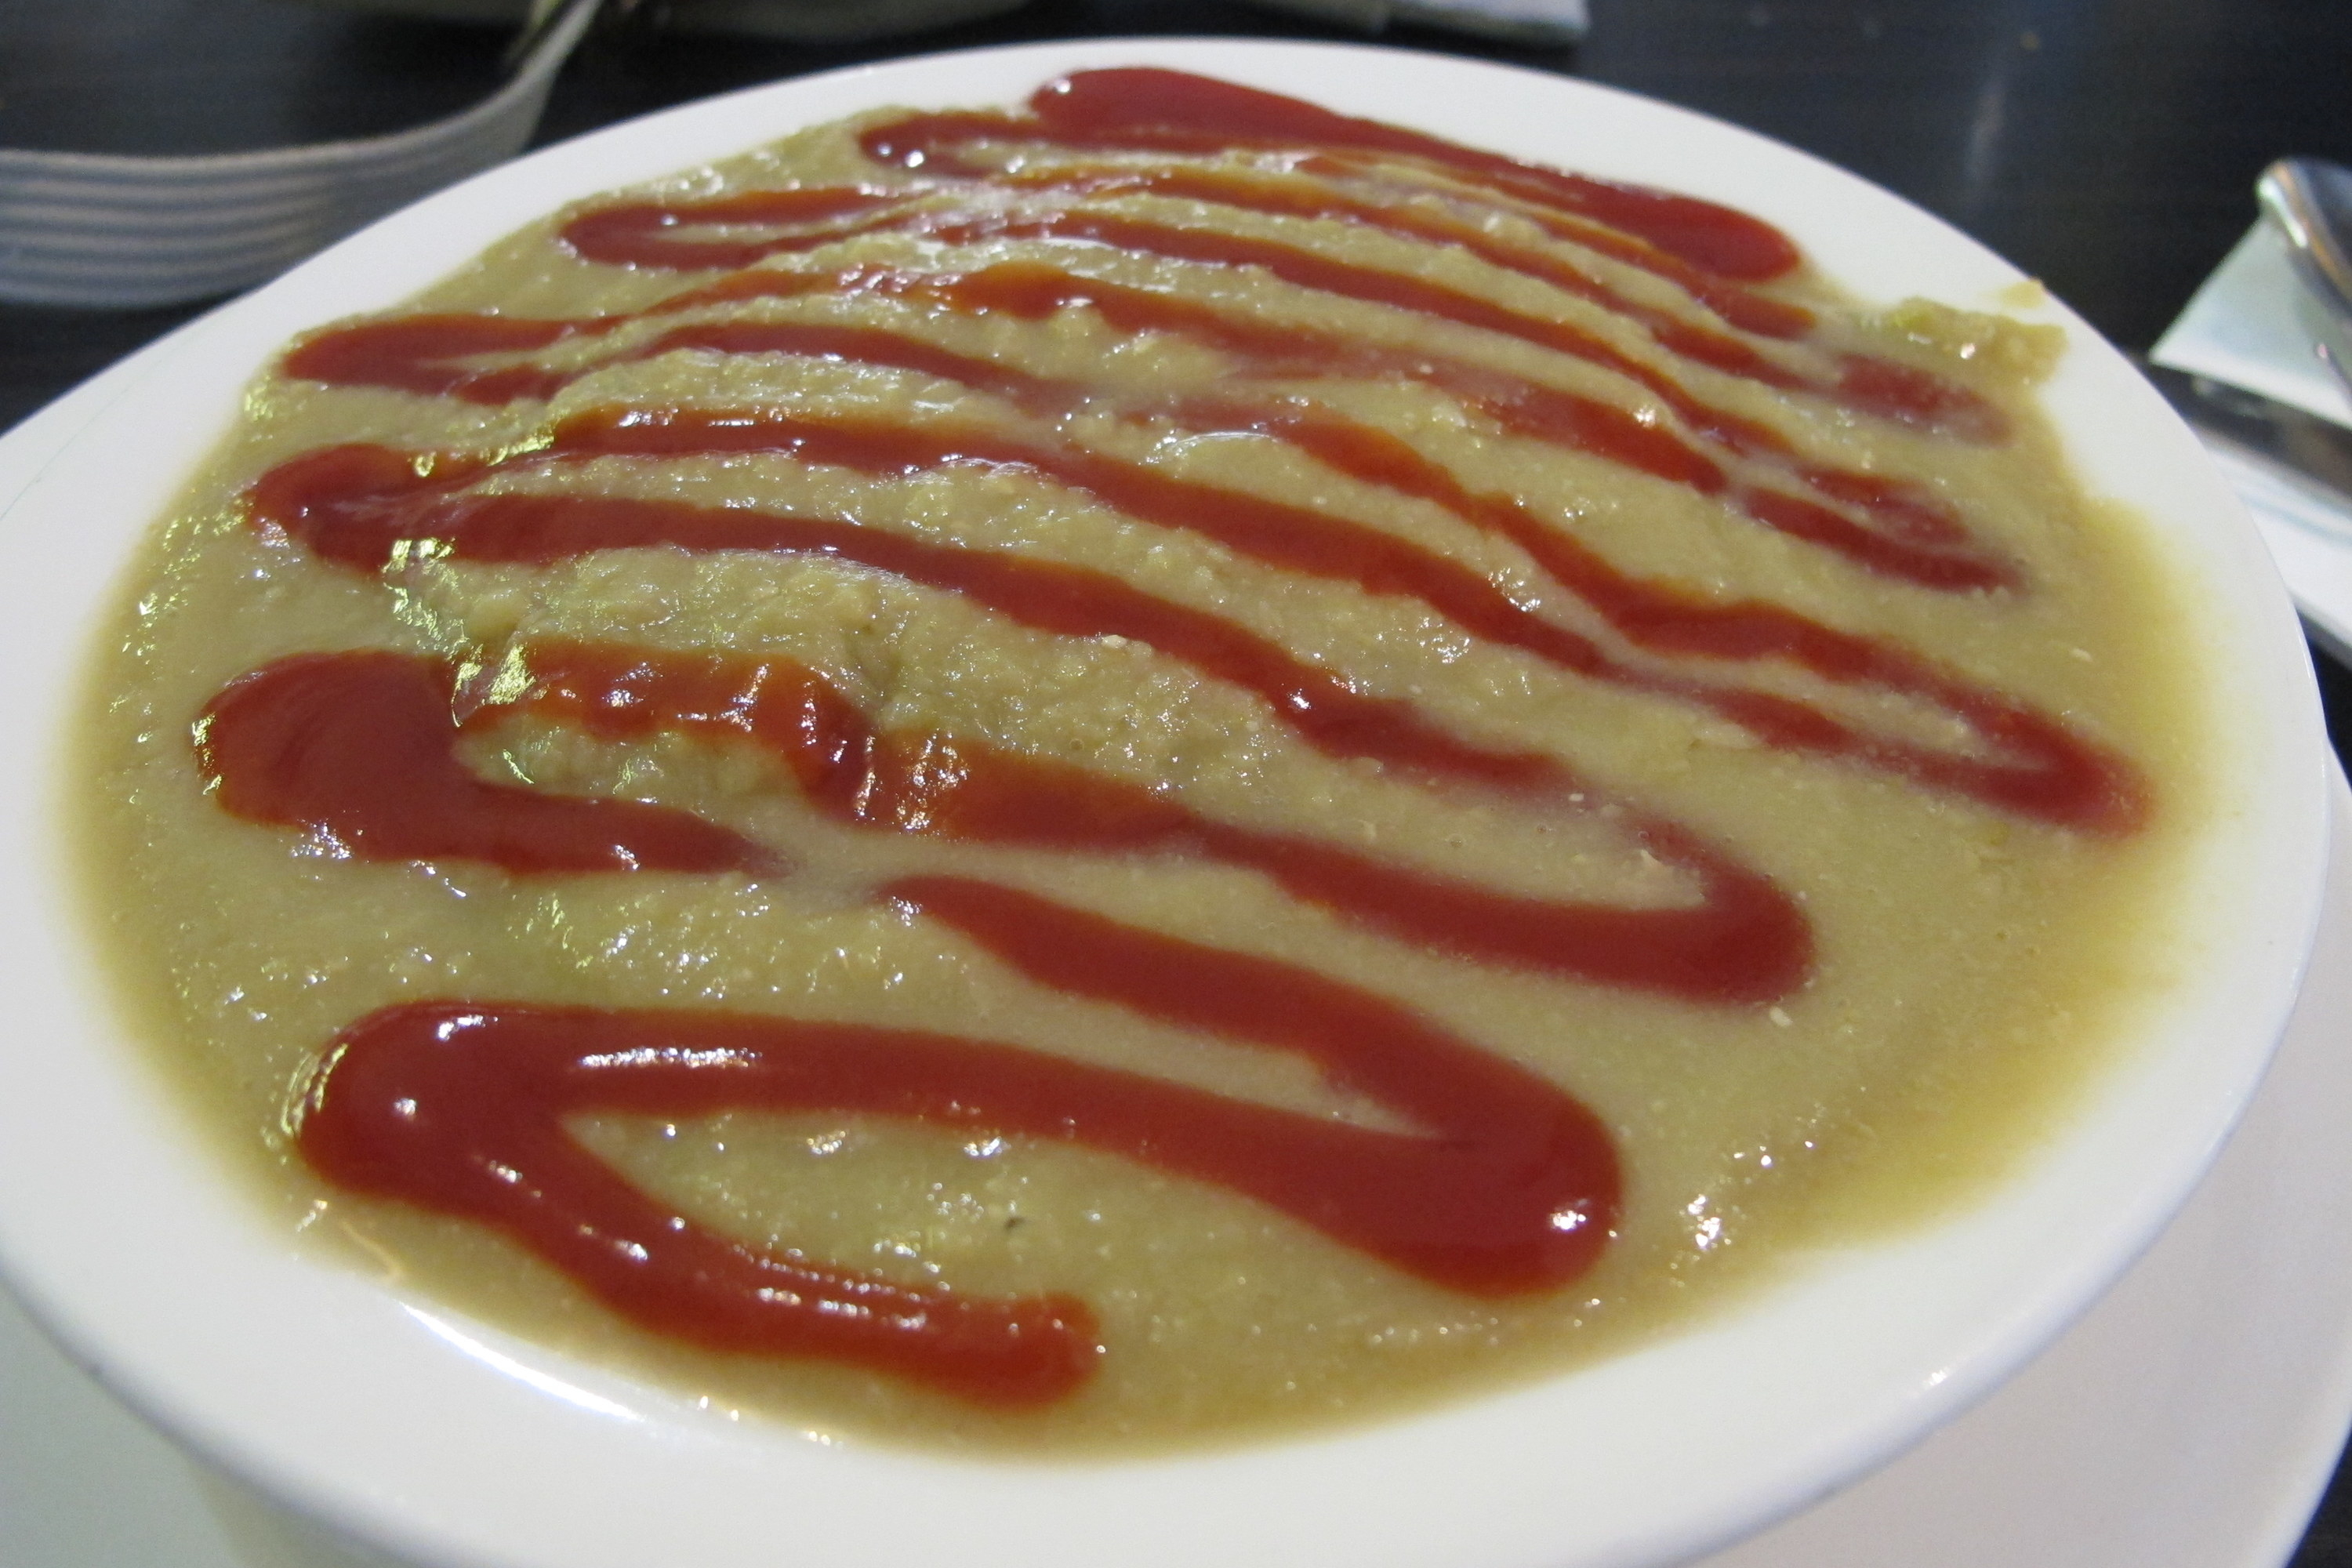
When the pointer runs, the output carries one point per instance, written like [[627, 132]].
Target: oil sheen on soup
[[1159, 767]]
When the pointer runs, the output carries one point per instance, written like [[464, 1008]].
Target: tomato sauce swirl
[[1494, 1181]]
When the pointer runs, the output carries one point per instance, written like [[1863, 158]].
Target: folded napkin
[[2247, 326]]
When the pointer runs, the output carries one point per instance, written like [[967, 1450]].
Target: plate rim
[[414, 1524]]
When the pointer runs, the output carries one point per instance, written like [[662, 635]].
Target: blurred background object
[[847, 21], [80, 227], [791, 21], [83, 222]]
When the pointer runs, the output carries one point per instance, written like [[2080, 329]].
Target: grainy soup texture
[[1158, 768]]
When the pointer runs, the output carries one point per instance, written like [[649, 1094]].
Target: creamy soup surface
[[1153, 769]]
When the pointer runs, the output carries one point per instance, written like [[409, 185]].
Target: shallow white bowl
[[448, 1444]]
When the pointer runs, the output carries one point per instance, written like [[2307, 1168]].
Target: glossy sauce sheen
[[1504, 1185]]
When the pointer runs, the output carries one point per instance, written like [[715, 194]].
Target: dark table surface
[[2107, 146]]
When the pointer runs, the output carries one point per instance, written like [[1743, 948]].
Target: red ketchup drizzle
[[1918, 541], [1506, 1185], [646, 232], [648, 235], [359, 750], [1149, 109], [1922, 541], [427, 355], [1918, 537], [1742, 307], [1292, 197], [459, 1107], [354, 505], [1877, 387], [1742, 942], [2042, 770], [2048, 772]]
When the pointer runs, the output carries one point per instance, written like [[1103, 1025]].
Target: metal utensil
[[2309, 202], [2311, 453]]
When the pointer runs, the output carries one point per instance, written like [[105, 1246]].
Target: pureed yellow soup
[[1155, 769]]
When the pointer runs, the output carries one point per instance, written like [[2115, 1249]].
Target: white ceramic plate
[[418, 1431], [2083, 1458], [2188, 1421]]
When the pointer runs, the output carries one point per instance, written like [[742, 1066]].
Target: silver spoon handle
[[2309, 202]]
